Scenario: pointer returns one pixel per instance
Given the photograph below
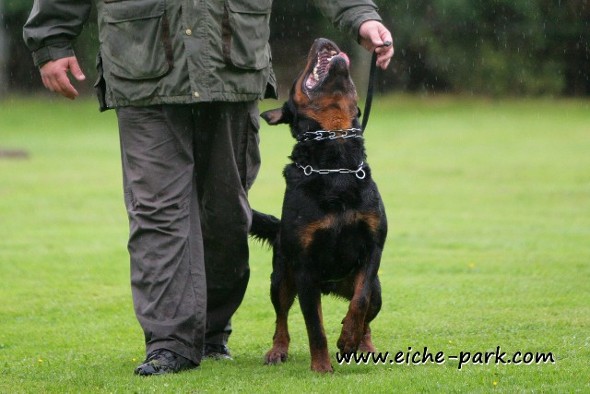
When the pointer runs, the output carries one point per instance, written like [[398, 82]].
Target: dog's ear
[[273, 116], [278, 115]]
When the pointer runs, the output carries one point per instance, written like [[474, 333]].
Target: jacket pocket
[[245, 33], [137, 39]]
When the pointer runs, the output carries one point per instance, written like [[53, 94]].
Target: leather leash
[[371, 86]]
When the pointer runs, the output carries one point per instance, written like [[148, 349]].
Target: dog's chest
[[338, 244]]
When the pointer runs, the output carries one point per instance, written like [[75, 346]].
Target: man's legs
[[227, 159], [165, 241]]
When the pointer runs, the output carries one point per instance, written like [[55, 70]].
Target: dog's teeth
[[322, 65], [314, 73]]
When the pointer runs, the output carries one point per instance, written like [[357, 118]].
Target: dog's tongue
[[345, 57]]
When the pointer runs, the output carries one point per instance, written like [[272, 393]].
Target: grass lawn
[[488, 251]]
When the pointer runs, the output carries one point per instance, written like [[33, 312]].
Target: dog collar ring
[[360, 173], [307, 170]]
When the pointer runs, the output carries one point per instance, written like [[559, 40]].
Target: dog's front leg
[[366, 345], [355, 326], [311, 307]]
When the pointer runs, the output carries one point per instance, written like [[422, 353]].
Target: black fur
[[265, 227], [333, 226]]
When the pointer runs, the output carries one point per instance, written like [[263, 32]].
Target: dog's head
[[323, 97]]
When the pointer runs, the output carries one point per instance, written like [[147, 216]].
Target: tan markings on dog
[[320, 360], [366, 345], [282, 331], [353, 325], [307, 233], [359, 284], [280, 342], [299, 97], [330, 118], [371, 219], [331, 112]]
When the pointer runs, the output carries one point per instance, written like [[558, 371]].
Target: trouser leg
[[165, 242], [228, 159]]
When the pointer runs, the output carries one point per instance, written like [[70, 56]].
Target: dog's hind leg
[[363, 307], [282, 295]]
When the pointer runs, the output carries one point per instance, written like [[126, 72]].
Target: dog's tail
[[265, 227]]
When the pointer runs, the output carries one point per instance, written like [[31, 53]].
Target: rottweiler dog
[[333, 226]]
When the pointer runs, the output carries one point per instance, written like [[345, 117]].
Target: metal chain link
[[359, 172], [321, 135]]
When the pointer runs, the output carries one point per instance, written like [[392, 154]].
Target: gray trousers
[[186, 173]]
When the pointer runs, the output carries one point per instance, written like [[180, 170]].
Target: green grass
[[489, 245]]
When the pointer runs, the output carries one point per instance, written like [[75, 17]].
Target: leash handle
[[371, 86]]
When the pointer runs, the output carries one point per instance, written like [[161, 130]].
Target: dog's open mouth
[[327, 56]]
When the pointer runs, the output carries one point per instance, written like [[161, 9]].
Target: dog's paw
[[367, 348], [347, 345], [366, 345], [322, 367], [275, 356]]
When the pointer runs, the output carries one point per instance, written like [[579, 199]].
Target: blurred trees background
[[487, 47]]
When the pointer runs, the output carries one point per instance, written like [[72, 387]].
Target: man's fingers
[[60, 84], [384, 64], [376, 37], [55, 76], [384, 54], [76, 70], [47, 83], [65, 87]]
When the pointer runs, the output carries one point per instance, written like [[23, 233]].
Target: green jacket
[[176, 51]]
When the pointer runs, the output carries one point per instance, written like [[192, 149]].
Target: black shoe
[[163, 361], [216, 352]]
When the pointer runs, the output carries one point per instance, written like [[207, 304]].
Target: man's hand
[[373, 36], [54, 74]]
